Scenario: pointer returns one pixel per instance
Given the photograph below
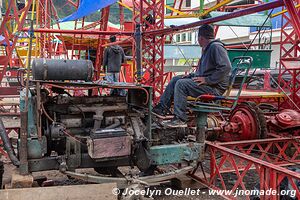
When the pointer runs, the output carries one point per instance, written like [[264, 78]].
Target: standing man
[[211, 77], [113, 58]]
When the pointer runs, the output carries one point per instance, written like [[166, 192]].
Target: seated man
[[211, 77]]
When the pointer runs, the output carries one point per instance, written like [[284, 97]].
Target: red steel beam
[[255, 160], [259, 141], [293, 15], [85, 32], [248, 11]]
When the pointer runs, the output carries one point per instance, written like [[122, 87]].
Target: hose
[[7, 145], [1, 173]]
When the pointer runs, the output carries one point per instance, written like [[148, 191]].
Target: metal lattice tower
[[150, 14], [289, 72]]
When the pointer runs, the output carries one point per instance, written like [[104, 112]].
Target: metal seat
[[200, 103], [203, 108]]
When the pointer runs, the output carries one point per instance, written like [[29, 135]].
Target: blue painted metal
[[175, 153]]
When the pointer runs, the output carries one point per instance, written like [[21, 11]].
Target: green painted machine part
[[36, 148], [175, 153], [261, 58]]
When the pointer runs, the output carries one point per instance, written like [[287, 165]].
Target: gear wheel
[[251, 119]]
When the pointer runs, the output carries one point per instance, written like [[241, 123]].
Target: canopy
[[87, 7]]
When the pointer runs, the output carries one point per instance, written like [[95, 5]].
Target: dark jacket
[[113, 58], [215, 66]]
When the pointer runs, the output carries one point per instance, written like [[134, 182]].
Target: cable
[[181, 52], [65, 131], [251, 43], [237, 36], [284, 92]]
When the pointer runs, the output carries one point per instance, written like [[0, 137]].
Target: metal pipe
[[7, 145], [138, 43], [232, 15], [23, 151], [85, 32], [116, 123], [240, 6]]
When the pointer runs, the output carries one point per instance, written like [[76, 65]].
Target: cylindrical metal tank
[[57, 69]]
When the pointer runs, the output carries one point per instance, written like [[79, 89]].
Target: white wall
[[195, 3], [226, 32]]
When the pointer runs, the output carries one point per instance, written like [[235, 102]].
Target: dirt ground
[[60, 180]]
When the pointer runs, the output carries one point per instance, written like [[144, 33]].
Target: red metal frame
[[266, 157], [100, 50], [290, 52], [152, 45], [8, 34], [239, 160]]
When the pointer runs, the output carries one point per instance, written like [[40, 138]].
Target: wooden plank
[[258, 93], [74, 192]]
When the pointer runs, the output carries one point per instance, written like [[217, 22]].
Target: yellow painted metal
[[206, 12], [124, 5], [21, 18], [284, 11], [182, 16], [30, 42], [174, 10], [22, 51], [217, 6]]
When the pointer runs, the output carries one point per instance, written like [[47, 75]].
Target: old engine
[[67, 129]]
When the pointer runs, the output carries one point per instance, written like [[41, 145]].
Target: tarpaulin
[[87, 7], [4, 43]]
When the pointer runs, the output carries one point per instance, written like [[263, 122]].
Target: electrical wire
[[65, 131]]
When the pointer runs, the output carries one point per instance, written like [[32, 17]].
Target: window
[[178, 38], [189, 36], [169, 3], [183, 37], [188, 3]]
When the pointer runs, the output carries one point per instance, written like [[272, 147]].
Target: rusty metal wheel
[[251, 121]]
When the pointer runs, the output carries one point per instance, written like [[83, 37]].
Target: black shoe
[[175, 123], [159, 110]]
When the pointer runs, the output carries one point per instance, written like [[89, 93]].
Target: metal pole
[[138, 42], [232, 15], [201, 6], [24, 114], [79, 31]]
